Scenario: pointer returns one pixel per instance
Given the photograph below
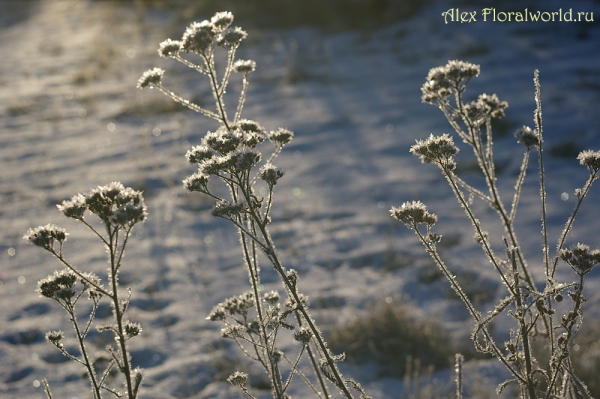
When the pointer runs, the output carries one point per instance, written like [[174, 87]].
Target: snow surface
[[72, 119]]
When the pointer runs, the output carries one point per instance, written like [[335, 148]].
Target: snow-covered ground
[[71, 119]]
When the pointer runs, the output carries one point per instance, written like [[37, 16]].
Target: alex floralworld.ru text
[[526, 15]]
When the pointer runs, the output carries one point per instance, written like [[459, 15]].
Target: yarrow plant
[[536, 312], [233, 155], [119, 210]]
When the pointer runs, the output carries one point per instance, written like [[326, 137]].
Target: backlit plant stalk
[[231, 155], [118, 209], [525, 303]]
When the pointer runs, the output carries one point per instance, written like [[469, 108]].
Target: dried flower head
[[413, 213], [440, 150], [591, 159], [271, 297], [217, 314], [303, 335], [233, 331], [224, 208], [150, 78], [223, 140], [199, 153], [527, 136], [244, 66], [239, 304], [117, 205], [44, 236], [580, 258], [442, 80], [238, 378], [222, 20], [73, 208], [231, 38], [484, 107], [55, 338], [270, 174], [281, 136], [199, 37], [196, 182], [132, 329], [58, 286], [169, 48]]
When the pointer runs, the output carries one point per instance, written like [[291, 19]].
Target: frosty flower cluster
[[440, 150], [580, 258], [591, 159], [484, 107], [413, 213], [441, 81], [61, 285], [45, 236], [113, 203], [233, 151], [201, 38], [527, 137]]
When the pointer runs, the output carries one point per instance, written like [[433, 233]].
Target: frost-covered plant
[[119, 209], [232, 155], [536, 312]]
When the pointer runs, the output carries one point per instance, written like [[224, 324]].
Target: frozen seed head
[[224, 208], [132, 329], [199, 37], [591, 159], [196, 182], [217, 314], [223, 140], [117, 205], [580, 258], [440, 149], [303, 335], [271, 297], [244, 66], [244, 158], [485, 106], [199, 153], [58, 286], [281, 136], [55, 338], [239, 304], [73, 208], [238, 378], [413, 213], [527, 136], [231, 38], [44, 236], [151, 78], [169, 48], [250, 126], [233, 332], [270, 174], [442, 80], [222, 20], [290, 303]]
